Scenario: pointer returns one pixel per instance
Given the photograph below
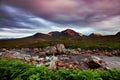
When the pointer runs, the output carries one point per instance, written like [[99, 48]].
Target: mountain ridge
[[68, 33], [70, 38]]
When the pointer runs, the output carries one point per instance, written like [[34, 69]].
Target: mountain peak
[[118, 33], [37, 34], [71, 33], [54, 33], [68, 30], [40, 35], [95, 34]]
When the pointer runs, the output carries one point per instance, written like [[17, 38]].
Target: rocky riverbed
[[58, 56]]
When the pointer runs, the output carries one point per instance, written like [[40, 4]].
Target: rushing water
[[112, 62]]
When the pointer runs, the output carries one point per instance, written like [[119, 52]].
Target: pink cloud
[[58, 10]]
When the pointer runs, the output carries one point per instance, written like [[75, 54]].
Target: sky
[[20, 18]]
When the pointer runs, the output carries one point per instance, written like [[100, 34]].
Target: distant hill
[[95, 35], [68, 33], [69, 37], [54, 33], [65, 33], [41, 35]]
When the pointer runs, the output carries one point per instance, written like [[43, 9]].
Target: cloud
[[17, 18], [12, 17], [69, 10], [108, 26], [28, 16], [16, 22]]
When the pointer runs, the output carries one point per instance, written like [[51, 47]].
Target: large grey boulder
[[57, 49], [53, 50], [60, 48], [50, 50]]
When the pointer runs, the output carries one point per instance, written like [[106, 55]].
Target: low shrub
[[17, 70]]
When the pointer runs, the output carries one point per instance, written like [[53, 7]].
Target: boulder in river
[[50, 50], [52, 64], [95, 62], [60, 48]]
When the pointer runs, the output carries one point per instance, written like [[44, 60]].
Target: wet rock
[[67, 51], [51, 50], [52, 64], [108, 54], [72, 51], [47, 50], [94, 62], [76, 63], [1, 54], [36, 49], [27, 59], [79, 49], [42, 54], [75, 67], [38, 65], [3, 50], [60, 64], [11, 54], [60, 48], [70, 66], [47, 58], [34, 62], [20, 58]]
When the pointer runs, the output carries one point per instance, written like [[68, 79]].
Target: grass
[[105, 42]]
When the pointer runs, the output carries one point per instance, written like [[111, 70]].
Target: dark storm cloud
[[11, 17], [30, 16]]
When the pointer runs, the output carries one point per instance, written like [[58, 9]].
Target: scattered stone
[[3, 50], [60, 64], [76, 63], [108, 54], [42, 54], [38, 65]]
